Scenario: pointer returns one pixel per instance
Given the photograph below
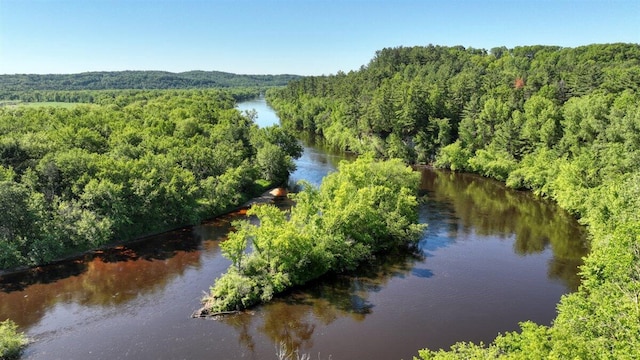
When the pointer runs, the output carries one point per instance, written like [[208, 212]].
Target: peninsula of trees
[[366, 208], [127, 164], [561, 122]]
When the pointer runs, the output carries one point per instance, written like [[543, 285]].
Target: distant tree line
[[147, 80], [134, 163], [562, 122], [119, 97]]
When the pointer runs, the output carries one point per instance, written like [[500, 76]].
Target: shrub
[[11, 341]]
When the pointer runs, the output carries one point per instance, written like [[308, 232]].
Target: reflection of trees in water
[[103, 278], [242, 323], [565, 270], [489, 208], [291, 319], [290, 325]]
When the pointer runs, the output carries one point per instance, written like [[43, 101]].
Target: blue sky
[[307, 37]]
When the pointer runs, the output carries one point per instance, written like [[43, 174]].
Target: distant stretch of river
[[490, 258]]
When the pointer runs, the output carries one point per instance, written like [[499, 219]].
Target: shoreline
[[267, 197]]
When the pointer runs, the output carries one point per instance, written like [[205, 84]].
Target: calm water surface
[[491, 257]]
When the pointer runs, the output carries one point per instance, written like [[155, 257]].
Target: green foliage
[[234, 291], [417, 100], [530, 343], [22, 220], [227, 190], [461, 350], [11, 341], [541, 127], [492, 163], [562, 122], [274, 164], [139, 162], [365, 208], [453, 156], [602, 320], [138, 80], [535, 172], [7, 174]]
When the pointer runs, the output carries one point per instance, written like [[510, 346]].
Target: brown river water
[[490, 258]]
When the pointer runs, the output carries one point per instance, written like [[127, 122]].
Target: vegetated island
[[561, 122], [364, 209]]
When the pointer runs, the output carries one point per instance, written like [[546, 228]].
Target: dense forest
[[137, 80], [561, 122], [127, 164]]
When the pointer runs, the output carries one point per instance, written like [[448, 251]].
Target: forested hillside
[[137, 162], [138, 80], [561, 122]]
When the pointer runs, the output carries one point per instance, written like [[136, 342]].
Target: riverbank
[[267, 197], [521, 248]]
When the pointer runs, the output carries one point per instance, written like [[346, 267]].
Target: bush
[[492, 164], [11, 341], [453, 156]]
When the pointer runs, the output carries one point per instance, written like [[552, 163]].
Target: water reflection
[[264, 115], [291, 319], [316, 162], [486, 207], [459, 208], [459, 285], [110, 277]]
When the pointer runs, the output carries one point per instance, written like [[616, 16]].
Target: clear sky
[[306, 37]]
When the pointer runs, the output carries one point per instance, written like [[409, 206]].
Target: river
[[490, 258]]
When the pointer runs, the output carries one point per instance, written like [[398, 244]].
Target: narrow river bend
[[491, 257]]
